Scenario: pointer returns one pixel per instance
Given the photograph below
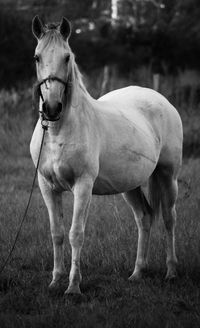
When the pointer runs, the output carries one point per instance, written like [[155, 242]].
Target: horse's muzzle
[[51, 113]]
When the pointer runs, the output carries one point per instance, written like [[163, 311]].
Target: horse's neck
[[80, 110]]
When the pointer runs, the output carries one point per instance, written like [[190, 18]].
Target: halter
[[49, 78]]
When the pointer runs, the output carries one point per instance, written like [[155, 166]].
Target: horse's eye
[[36, 57], [67, 58]]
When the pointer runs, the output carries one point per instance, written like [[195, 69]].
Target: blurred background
[[152, 43]]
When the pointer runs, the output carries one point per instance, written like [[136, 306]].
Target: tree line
[[166, 37]]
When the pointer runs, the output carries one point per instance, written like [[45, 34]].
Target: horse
[[127, 142]]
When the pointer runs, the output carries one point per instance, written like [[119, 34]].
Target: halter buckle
[[45, 124]]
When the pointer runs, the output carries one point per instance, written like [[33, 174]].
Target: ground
[[107, 259]]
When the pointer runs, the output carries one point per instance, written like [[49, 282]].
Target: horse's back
[[133, 99]]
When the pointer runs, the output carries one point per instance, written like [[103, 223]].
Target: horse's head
[[53, 63]]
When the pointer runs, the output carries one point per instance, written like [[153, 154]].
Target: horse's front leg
[[82, 199], [53, 201]]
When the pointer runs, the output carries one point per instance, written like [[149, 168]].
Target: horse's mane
[[75, 80]]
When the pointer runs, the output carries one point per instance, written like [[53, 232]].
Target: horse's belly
[[124, 176]]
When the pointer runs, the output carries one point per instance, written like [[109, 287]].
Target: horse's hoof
[[75, 298], [171, 276], [171, 273], [136, 277], [53, 285], [71, 290], [57, 287]]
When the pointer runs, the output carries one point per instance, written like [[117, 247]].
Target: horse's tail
[[154, 195]]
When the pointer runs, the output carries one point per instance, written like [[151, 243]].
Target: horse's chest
[[57, 169]]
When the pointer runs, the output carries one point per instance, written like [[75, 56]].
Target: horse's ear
[[37, 27], [65, 28]]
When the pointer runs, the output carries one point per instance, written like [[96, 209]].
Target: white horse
[[128, 141]]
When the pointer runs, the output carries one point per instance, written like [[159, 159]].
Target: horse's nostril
[[51, 111], [59, 107]]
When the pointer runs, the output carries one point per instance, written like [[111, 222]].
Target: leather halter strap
[[50, 78]]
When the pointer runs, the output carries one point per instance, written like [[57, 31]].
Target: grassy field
[[108, 255]]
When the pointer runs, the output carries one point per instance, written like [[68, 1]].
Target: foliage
[[167, 37], [16, 49]]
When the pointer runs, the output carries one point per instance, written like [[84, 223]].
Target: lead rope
[[45, 128]]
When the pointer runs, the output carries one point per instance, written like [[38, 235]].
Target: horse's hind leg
[[143, 217], [169, 191]]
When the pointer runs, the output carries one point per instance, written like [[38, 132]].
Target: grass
[[108, 255]]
